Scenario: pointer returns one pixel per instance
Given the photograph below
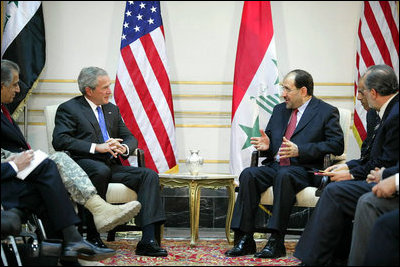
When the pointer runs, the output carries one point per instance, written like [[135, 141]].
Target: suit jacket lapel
[[89, 115], [285, 118], [309, 113], [13, 128], [108, 117], [390, 106]]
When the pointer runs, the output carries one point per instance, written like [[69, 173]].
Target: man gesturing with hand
[[300, 132]]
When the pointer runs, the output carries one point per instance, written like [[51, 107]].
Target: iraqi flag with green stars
[[256, 81]]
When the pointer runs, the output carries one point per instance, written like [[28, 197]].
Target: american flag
[[142, 89], [378, 43]]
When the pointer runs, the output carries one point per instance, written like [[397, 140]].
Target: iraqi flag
[[24, 43], [256, 81]]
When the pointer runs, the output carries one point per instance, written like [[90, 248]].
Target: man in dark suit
[[43, 187], [326, 238], [290, 157], [92, 130]]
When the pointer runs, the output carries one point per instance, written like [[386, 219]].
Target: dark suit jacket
[[385, 147], [12, 138], [317, 133], [76, 128], [7, 172], [390, 171], [372, 117]]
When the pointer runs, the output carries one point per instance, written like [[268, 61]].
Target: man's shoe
[[107, 216], [273, 249], [150, 248], [86, 251], [245, 246], [97, 242]]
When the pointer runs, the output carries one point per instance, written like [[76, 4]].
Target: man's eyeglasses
[[287, 90]]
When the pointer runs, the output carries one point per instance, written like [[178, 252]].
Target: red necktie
[[288, 134], [6, 113]]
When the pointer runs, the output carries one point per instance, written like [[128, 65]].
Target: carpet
[[206, 252]]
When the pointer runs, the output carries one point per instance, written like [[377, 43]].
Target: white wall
[[201, 39]]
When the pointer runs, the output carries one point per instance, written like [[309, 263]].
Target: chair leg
[[15, 248], [111, 235], [3, 256]]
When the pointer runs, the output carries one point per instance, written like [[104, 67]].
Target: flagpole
[[26, 121]]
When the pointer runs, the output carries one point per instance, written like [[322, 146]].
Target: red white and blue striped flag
[[378, 43], [142, 89], [256, 81]]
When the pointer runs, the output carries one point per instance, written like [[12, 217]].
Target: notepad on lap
[[38, 157]]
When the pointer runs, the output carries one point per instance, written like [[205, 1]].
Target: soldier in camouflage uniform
[[83, 192]]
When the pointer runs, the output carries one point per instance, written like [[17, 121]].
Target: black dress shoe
[[86, 251], [150, 248], [97, 242], [273, 249], [245, 246]]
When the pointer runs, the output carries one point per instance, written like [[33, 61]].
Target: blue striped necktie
[[102, 123]]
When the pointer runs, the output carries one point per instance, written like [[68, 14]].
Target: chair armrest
[[328, 161], [324, 182], [140, 157], [255, 156]]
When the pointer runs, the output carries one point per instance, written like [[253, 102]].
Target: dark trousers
[[42, 190], [287, 181], [327, 235], [143, 181], [383, 248]]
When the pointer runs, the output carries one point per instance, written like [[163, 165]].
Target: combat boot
[[107, 216]]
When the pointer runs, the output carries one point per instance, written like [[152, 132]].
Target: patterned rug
[[206, 252]]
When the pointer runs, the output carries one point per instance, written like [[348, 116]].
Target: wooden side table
[[195, 183]]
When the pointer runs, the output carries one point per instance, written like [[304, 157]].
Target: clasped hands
[[112, 146], [287, 150]]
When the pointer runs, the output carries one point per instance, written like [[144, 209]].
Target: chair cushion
[[305, 198], [119, 193]]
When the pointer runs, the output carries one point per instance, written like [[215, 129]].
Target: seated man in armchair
[[300, 132]]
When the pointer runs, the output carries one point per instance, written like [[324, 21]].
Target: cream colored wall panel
[[213, 143], [208, 104], [81, 34], [205, 120], [334, 90], [200, 88], [201, 38], [39, 102], [317, 36], [57, 87]]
